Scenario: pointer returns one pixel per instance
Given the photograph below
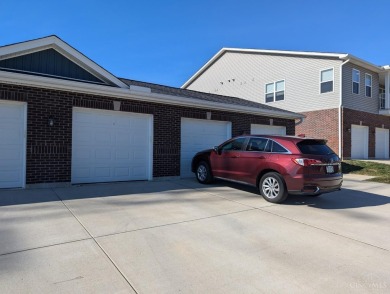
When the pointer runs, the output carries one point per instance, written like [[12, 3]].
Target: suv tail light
[[305, 161]]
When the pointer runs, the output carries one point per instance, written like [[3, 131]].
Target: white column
[[387, 90]]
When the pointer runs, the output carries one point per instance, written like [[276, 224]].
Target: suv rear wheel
[[273, 188], [203, 173]]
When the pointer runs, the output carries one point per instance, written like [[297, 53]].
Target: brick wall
[[368, 119], [49, 148], [321, 124]]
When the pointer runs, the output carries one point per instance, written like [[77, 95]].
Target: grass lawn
[[380, 171]]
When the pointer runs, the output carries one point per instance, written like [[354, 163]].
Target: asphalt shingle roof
[[160, 89]]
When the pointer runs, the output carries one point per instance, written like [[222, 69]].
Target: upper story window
[[368, 84], [274, 91], [327, 80], [355, 81]]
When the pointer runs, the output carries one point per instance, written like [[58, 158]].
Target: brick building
[[65, 119]]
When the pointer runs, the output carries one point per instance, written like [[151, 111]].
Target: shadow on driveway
[[31, 196], [346, 198]]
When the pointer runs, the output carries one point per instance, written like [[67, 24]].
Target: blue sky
[[166, 42]]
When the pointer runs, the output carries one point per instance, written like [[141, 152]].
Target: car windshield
[[315, 147]]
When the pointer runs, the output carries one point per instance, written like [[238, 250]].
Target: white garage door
[[267, 130], [359, 142], [12, 144], [111, 146], [198, 135], [381, 143]]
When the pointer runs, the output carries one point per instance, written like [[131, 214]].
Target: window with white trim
[[274, 91], [355, 81], [326, 80], [368, 84]]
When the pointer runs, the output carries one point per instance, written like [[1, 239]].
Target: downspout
[[341, 155], [301, 120]]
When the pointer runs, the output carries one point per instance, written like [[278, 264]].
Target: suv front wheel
[[203, 173], [272, 187]]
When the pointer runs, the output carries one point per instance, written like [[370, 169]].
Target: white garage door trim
[[193, 128], [109, 113], [359, 142], [381, 143], [23, 147], [258, 129]]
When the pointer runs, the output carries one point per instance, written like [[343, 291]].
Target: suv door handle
[[261, 157], [235, 156]]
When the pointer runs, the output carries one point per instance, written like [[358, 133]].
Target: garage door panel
[[11, 155], [102, 172], [12, 144], [118, 147], [122, 155], [268, 130], [381, 143], [10, 136], [103, 136], [81, 172], [197, 135], [122, 172], [359, 142], [101, 154], [11, 178]]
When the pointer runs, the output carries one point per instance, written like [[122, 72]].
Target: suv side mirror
[[216, 149]]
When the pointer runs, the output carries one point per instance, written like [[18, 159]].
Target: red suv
[[277, 165]]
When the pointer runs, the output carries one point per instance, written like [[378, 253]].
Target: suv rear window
[[315, 147]]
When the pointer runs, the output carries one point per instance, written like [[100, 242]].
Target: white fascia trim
[[63, 48], [362, 63], [66, 85], [238, 50], [203, 68]]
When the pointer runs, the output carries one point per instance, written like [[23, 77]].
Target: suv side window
[[272, 146], [256, 144], [233, 145], [278, 148]]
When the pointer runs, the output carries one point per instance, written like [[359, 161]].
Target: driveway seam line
[[176, 223], [45, 246], [97, 243], [272, 213]]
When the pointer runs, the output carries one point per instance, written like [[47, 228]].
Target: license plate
[[330, 169]]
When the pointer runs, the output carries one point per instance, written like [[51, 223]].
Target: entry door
[[381, 143], [12, 144], [359, 142], [111, 146], [198, 135]]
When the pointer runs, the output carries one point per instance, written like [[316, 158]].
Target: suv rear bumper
[[304, 185]]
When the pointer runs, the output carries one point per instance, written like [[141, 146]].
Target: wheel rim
[[202, 173], [271, 187]]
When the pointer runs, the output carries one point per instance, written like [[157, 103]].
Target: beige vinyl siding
[[245, 75], [360, 101]]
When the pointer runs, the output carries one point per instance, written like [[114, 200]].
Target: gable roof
[[341, 56], [18, 51]]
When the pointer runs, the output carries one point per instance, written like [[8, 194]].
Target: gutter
[[341, 155]]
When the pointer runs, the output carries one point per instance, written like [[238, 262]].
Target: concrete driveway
[[180, 236]]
